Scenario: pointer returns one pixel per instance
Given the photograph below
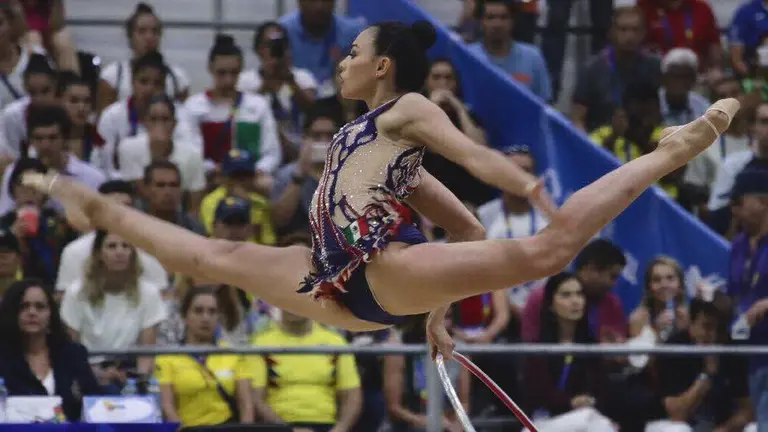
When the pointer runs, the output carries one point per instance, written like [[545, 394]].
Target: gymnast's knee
[[553, 250]]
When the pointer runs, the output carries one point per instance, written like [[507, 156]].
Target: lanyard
[[229, 124], [133, 118], [510, 233], [564, 372], [667, 27], [11, 89]]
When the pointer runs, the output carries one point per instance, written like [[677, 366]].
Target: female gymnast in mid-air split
[[367, 258]]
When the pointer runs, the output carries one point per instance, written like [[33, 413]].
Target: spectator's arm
[[542, 83], [740, 418], [434, 201], [637, 320], [350, 403], [500, 317], [262, 407], [681, 406], [168, 403], [305, 96], [147, 336], [244, 395], [392, 372], [72, 313]]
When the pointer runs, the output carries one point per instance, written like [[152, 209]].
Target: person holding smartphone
[[296, 182], [290, 90]]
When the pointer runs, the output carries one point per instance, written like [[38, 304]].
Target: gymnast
[[369, 264]]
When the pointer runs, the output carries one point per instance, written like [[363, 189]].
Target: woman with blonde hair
[[663, 308], [110, 307]]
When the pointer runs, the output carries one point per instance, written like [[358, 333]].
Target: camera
[[278, 45]]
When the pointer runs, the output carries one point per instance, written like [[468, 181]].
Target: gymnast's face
[[568, 301], [362, 68]]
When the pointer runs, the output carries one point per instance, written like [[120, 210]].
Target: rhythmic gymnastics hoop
[[476, 371]]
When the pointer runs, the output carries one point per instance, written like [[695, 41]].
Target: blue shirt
[[524, 63], [320, 55], [748, 283], [749, 22]]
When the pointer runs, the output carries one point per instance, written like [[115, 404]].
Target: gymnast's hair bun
[[425, 33]]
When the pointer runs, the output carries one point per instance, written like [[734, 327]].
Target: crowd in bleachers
[[240, 161]]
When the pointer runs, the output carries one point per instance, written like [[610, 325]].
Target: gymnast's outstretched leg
[[421, 278]]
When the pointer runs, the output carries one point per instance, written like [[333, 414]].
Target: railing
[[434, 386]]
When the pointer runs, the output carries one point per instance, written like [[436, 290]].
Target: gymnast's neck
[[383, 94]]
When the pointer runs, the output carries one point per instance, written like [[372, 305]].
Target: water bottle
[[669, 309], [3, 399], [130, 388]]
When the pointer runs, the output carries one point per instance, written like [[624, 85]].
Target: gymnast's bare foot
[[45, 183], [686, 141]]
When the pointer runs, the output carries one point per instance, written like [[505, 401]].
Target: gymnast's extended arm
[[438, 204], [426, 123]]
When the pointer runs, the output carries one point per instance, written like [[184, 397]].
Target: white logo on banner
[[631, 269], [552, 181], [696, 283]]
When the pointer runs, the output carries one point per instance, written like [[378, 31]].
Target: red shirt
[[691, 25]]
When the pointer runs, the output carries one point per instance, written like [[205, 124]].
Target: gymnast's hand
[[538, 196], [437, 335]]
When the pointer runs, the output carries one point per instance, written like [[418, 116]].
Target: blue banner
[[511, 114]]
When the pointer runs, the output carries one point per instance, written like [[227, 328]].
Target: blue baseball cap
[[750, 182], [233, 210], [237, 160]]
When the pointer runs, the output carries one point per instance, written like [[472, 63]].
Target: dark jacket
[[72, 375]]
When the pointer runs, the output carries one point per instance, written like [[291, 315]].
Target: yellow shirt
[[623, 148], [198, 401], [260, 215], [302, 388]]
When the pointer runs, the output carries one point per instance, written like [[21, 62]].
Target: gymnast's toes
[[722, 112]]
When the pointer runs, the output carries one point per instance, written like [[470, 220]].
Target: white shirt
[[76, 168], [14, 82], [117, 322], [13, 123], [175, 83], [75, 254], [253, 121], [135, 156], [117, 122], [501, 225], [49, 383], [703, 168], [250, 81], [725, 178]]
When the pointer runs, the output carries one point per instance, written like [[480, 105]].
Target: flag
[[356, 230]]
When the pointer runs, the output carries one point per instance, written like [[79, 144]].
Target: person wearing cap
[[238, 169], [10, 260], [679, 103], [233, 219]]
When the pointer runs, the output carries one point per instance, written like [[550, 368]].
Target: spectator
[[45, 29], [559, 385], [746, 284], [296, 182], [514, 217], [597, 267], [162, 196], [558, 17], [208, 389], [480, 319], [519, 60], [754, 158], [123, 118], [48, 126], [10, 260], [290, 90], [110, 307], [144, 31], [604, 79], [679, 103], [687, 24], [41, 231], [662, 310], [709, 392], [75, 255], [636, 127], [40, 86], [38, 357], [319, 39], [137, 152], [468, 27], [320, 393], [13, 57], [76, 98], [701, 170], [229, 119], [238, 175], [405, 384], [746, 33]]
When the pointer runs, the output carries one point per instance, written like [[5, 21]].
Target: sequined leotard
[[357, 207]]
